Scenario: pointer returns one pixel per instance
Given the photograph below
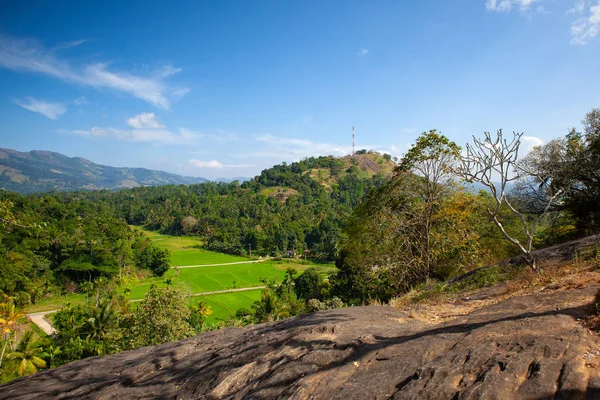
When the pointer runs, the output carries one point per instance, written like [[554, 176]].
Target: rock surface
[[526, 347]]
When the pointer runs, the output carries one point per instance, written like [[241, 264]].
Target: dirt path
[[222, 264], [40, 320], [215, 292]]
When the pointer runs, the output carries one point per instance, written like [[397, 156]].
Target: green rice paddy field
[[187, 250], [204, 277]]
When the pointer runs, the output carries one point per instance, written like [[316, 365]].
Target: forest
[[387, 235]]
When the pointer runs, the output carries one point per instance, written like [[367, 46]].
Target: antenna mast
[[353, 141]]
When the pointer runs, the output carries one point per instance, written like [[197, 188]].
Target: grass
[[324, 270], [56, 303], [211, 279], [187, 250], [225, 305]]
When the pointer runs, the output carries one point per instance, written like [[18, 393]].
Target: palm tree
[[27, 352], [51, 352], [9, 321], [102, 320], [269, 308]]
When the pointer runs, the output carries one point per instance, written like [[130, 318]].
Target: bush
[[317, 305], [307, 286]]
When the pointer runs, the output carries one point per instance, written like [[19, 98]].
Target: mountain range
[[43, 171]]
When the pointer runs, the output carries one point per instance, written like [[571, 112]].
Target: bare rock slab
[[526, 347]]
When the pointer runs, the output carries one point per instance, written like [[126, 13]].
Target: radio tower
[[352, 141]]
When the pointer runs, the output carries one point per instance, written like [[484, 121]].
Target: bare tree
[[493, 162]]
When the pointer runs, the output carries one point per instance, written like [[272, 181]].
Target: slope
[[526, 347], [40, 171]]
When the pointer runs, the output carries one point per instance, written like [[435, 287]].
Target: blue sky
[[222, 89]]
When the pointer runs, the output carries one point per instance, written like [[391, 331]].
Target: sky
[[229, 88]]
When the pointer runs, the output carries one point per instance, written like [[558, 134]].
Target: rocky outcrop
[[526, 347]]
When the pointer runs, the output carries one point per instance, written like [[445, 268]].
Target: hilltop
[[363, 165], [42, 171]]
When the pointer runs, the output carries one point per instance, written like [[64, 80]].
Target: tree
[[27, 354], [123, 253], [307, 286], [9, 321], [103, 319], [198, 315], [493, 162], [432, 157], [162, 316]]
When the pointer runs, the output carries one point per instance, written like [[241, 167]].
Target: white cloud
[[507, 5], [144, 121], [586, 28], [214, 164], [206, 164], [30, 55], [362, 52], [528, 143], [80, 101], [48, 110]]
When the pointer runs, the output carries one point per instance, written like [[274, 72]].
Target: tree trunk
[[3, 350]]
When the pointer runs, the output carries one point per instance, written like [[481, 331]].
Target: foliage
[[61, 238], [416, 227], [198, 315], [162, 316], [571, 164], [492, 158], [317, 305], [308, 285], [27, 354]]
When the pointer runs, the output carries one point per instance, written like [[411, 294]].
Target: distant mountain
[[42, 171]]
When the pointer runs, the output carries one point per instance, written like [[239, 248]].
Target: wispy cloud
[[162, 136], [507, 5], [578, 8], [80, 101], [214, 164], [180, 93], [362, 52], [68, 45], [586, 28], [144, 121], [29, 55], [146, 128], [283, 148], [582, 30], [48, 110]]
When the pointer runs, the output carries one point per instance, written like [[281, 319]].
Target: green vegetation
[[210, 279], [188, 250], [224, 306], [90, 253]]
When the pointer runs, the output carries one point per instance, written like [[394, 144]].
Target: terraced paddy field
[[213, 278]]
